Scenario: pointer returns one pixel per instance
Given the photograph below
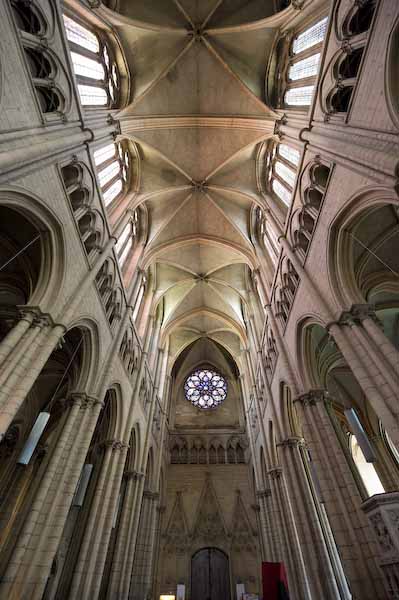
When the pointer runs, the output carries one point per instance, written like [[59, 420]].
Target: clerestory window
[[112, 162], [96, 73], [305, 54], [282, 171], [126, 239]]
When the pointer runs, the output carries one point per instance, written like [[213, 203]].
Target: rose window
[[205, 389]]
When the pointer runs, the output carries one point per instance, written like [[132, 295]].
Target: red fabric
[[274, 581]]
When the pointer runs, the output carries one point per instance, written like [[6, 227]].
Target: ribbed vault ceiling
[[198, 115]]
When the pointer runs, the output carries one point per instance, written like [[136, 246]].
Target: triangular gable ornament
[[177, 538], [209, 526], [242, 532]]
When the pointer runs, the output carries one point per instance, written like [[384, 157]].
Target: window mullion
[[282, 181], [85, 52], [112, 181], [316, 49], [306, 81]]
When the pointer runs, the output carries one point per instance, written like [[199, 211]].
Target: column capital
[[266, 493], [114, 445], [29, 313], [292, 442], [355, 315], [275, 473], [150, 495], [312, 397], [135, 475]]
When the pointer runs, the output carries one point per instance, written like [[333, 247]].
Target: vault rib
[[246, 89], [161, 75]]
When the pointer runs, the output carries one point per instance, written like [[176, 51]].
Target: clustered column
[[30, 564], [341, 497]]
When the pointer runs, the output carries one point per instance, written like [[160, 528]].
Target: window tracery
[[96, 73], [314, 184], [344, 73], [90, 222], [47, 80], [112, 162], [303, 65], [205, 389]]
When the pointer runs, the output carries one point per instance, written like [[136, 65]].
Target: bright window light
[[289, 154], [282, 192], [87, 67], [109, 173], [285, 173], [104, 153], [92, 96], [310, 37], [304, 68], [80, 35], [300, 96], [112, 192], [122, 258], [366, 469], [123, 237]]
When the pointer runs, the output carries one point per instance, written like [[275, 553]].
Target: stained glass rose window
[[205, 389]]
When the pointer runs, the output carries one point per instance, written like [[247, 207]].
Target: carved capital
[[297, 4], [312, 397], [135, 475], [115, 445], [292, 442], [266, 493], [275, 473]]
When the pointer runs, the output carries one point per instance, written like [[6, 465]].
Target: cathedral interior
[[199, 300]]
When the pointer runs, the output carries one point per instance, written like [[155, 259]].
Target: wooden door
[[210, 579]]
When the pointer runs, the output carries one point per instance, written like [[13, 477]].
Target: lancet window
[[126, 239], [112, 162], [269, 237], [282, 167], [139, 299], [366, 469], [304, 60], [96, 73]]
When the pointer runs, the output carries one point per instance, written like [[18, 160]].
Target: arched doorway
[[210, 579]]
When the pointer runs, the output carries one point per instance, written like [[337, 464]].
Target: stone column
[[24, 365], [380, 395], [16, 333], [341, 496], [307, 520], [291, 545], [87, 577], [121, 568], [285, 533], [30, 564], [268, 517], [373, 343], [143, 559]]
